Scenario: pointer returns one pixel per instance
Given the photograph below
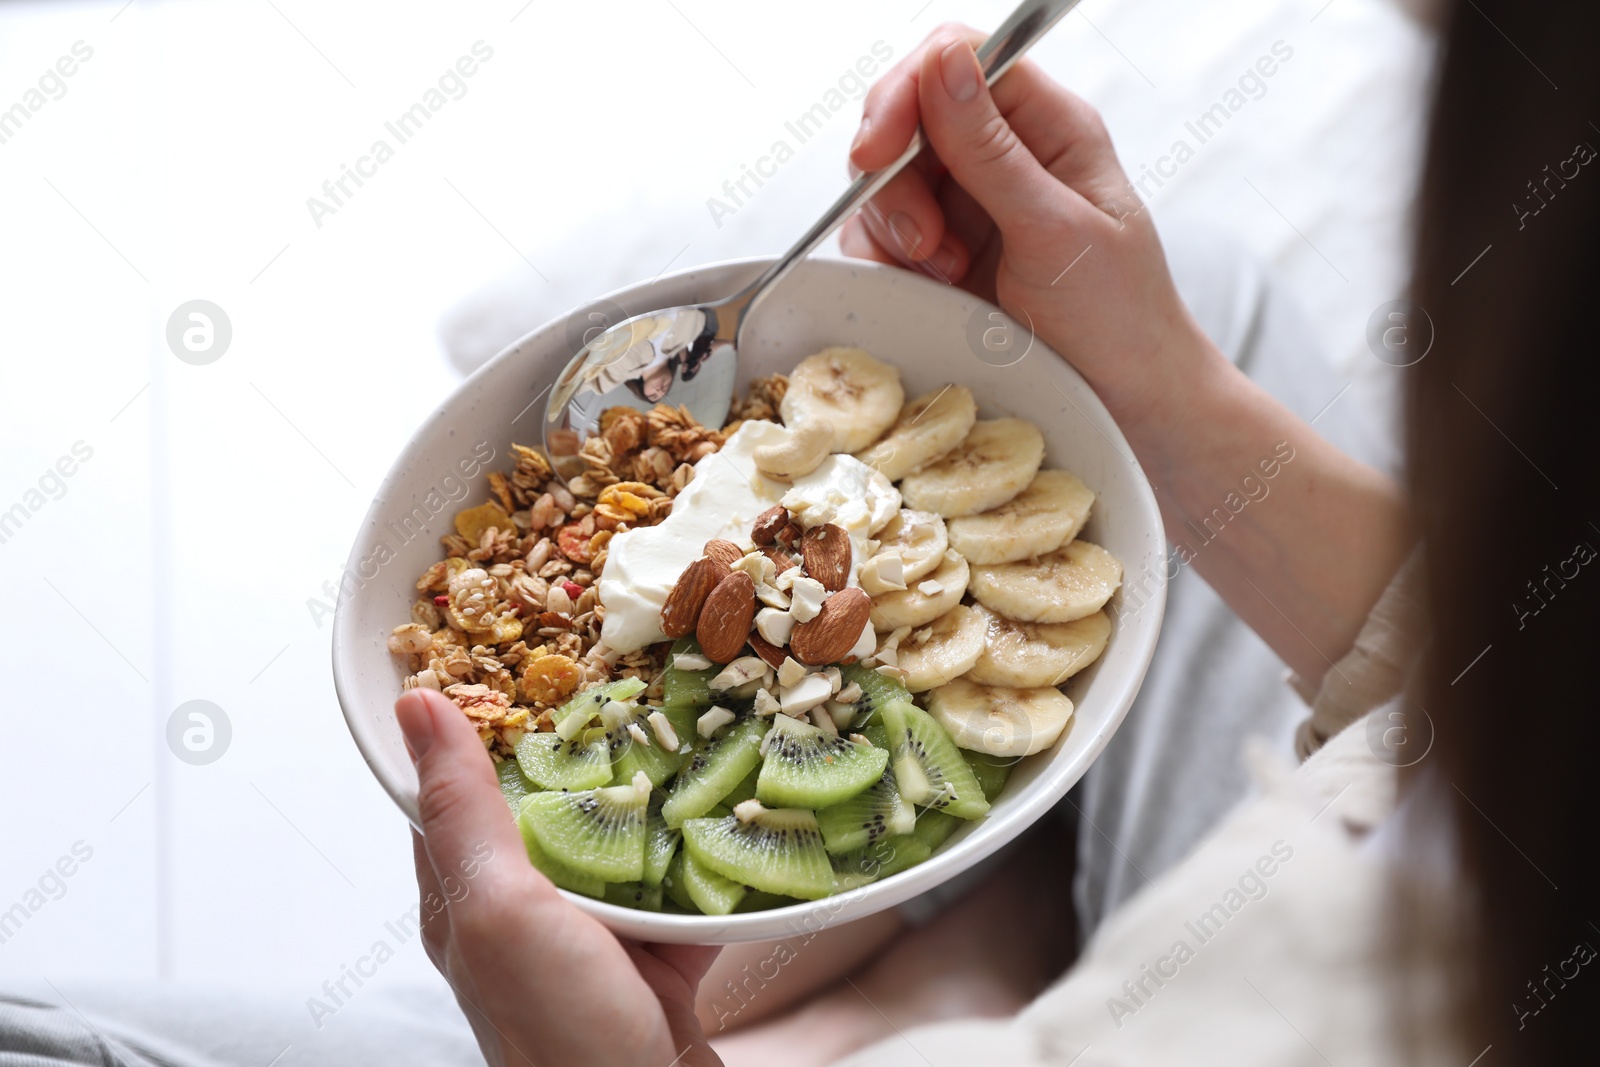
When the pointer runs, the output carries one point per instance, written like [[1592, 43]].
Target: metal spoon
[[687, 355]]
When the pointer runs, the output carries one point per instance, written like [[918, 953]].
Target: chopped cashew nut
[[712, 721], [806, 599], [666, 736], [802, 451]]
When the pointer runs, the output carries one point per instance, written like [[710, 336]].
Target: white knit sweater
[[1269, 946]]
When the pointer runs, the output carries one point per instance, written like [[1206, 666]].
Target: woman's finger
[[1064, 132], [467, 832], [889, 115], [855, 241], [435, 922], [905, 218], [983, 152]]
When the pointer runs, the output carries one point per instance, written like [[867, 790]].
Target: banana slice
[[1000, 721], [920, 538], [1066, 584], [922, 601], [1040, 519], [946, 648], [992, 464], [927, 428], [849, 390], [1026, 655]]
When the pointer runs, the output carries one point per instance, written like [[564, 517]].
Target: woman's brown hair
[[1503, 427]]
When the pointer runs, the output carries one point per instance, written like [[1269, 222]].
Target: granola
[[507, 624]]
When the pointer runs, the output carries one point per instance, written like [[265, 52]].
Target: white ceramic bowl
[[931, 332]]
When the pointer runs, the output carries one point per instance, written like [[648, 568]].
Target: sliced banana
[[922, 601], [1030, 654], [921, 539], [857, 395], [1066, 584], [1040, 519], [1000, 721], [946, 648], [927, 428], [993, 463]]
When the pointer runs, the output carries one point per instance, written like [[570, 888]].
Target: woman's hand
[[1022, 201], [541, 981]]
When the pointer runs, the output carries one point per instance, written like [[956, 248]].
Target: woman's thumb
[[464, 818], [982, 151]]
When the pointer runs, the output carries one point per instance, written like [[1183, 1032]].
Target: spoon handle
[[1027, 24]]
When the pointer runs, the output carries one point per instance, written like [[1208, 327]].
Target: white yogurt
[[723, 500], [849, 494]]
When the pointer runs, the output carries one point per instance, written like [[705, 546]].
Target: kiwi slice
[[599, 832], [757, 900], [990, 771], [630, 755], [633, 895], [714, 769], [877, 690], [876, 812], [886, 856], [927, 765], [675, 888], [514, 785], [935, 827], [778, 850], [587, 704], [562, 875], [551, 763], [806, 768], [660, 845], [745, 790], [687, 688], [711, 892]]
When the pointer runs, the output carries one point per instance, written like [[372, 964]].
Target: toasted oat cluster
[[508, 624]]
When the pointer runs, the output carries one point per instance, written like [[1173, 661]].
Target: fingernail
[[861, 134], [905, 230], [416, 723], [958, 68]]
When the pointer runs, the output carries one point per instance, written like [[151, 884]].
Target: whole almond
[[829, 637], [768, 523], [726, 551], [681, 612], [825, 551], [724, 624], [790, 534], [771, 653]]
